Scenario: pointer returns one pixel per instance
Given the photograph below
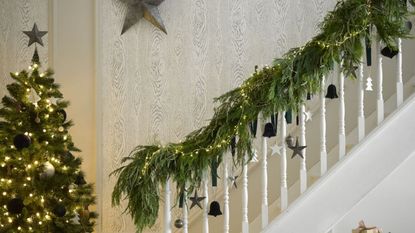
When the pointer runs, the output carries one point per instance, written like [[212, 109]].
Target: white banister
[[323, 148], [225, 193], [205, 203], [342, 128], [185, 212], [245, 222], [361, 97], [167, 208], [264, 179], [303, 166], [380, 103], [284, 186], [399, 83]]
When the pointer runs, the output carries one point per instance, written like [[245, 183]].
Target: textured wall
[[158, 88], [17, 16]]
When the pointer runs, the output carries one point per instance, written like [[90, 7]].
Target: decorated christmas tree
[[42, 188]]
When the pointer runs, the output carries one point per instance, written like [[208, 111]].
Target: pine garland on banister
[[272, 89]]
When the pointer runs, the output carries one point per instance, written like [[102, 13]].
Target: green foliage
[[272, 89], [34, 107]]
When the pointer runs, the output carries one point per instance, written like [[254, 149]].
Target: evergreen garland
[[272, 89]]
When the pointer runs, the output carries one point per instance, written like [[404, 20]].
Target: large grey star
[[196, 200], [297, 149], [138, 9], [35, 36]]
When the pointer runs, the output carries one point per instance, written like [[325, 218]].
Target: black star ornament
[[138, 9], [297, 149], [196, 201], [35, 36]]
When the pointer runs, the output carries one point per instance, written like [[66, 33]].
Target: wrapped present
[[364, 229]]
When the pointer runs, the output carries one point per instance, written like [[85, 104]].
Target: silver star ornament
[[35, 36], [297, 150], [138, 9], [196, 200], [276, 150], [307, 116]]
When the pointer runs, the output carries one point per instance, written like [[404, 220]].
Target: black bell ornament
[[332, 92], [408, 26], [269, 130], [215, 209], [389, 52]]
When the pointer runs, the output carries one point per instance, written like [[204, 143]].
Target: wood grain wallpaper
[[158, 88]]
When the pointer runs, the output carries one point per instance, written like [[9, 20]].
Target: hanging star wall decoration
[[307, 115], [232, 179], [196, 200], [276, 150], [297, 150], [35, 36], [138, 9]]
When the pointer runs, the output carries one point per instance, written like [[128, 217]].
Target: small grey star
[[35, 36], [196, 200], [307, 116], [297, 149], [232, 179], [276, 149], [147, 9]]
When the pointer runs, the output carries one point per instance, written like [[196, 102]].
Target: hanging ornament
[[232, 179], [196, 200], [21, 141], [253, 127], [75, 219], [59, 211], [408, 26], [80, 180], [62, 114], [289, 140], [48, 170], [178, 223], [269, 130], [66, 156], [276, 149], [274, 121], [369, 85], [214, 209], [309, 96], [214, 172], [368, 52], [233, 145], [181, 200], [297, 149], [331, 92], [307, 115], [15, 206], [389, 52], [289, 116]]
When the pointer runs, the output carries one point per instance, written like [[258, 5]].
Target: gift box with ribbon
[[364, 229]]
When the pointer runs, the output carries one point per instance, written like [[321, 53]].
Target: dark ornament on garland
[[181, 200], [21, 141], [178, 223], [62, 114], [35, 36], [269, 130], [389, 52], [138, 9], [59, 211], [15, 206], [297, 150], [196, 200], [408, 25], [214, 209], [214, 173], [309, 96], [289, 116], [289, 140], [368, 52], [80, 180], [253, 127], [233, 145], [332, 92], [274, 121]]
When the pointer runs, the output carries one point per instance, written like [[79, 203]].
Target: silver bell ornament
[[48, 170], [178, 223], [290, 140]]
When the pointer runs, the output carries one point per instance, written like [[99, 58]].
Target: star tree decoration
[[35, 36], [138, 9], [196, 200], [232, 179], [297, 150]]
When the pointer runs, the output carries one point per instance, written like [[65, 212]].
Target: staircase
[[367, 160]]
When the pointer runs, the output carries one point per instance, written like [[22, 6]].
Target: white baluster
[[205, 203], [185, 212], [284, 186], [361, 97], [323, 148], [399, 83], [303, 166], [342, 128], [380, 106], [167, 211], [264, 179], [225, 193], [245, 222]]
